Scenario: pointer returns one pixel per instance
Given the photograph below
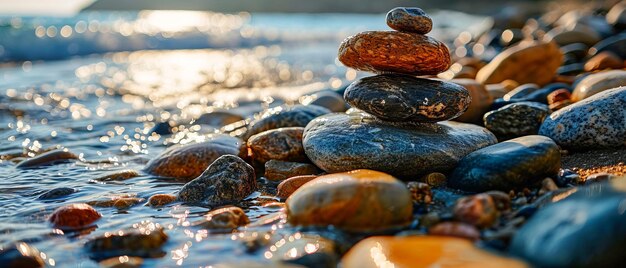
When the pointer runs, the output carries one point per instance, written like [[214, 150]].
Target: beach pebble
[[278, 144], [455, 229], [615, 44], [20, 255], [527, 62], [143, 239], [189, 161], [227, 218], [559, 95], [355, 201], [478, 210], [434, 179], [74, 216], [117, 202], [284, 116], [516, 119], [57, 193], [597, 121], [119, 176], [159, 200], [303, 250], [586, 229], [280, 170], [423, 251], [48, 158], [409, 19], [398, 52], [228, 180], [420, 192], [598, 82], [572, 35], [290, 185], [344, 142], [404, 98], [604, 60], [328, 99], [521, 91], [507, 165]]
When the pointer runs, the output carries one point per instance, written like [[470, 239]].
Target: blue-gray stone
[[586, 229], [344, 142], [597, 121], [511, 164]]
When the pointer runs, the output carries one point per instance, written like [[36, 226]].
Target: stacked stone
[[401, 125], [397, 95]]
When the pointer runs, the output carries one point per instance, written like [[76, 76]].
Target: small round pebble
[[159, 200], [409, 19], [478, 210], [74, 216], [227, 218]]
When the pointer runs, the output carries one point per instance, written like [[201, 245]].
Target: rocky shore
[[504, 149]]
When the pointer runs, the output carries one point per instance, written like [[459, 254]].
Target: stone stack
[[399, 126]]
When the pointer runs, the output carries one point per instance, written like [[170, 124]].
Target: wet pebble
[[284, 116], [597, 121], [435, 179], [228, 180], [189, 161], [119, 176], [507, 165], [355, 201], [480, 101], [420, 192], [143, 239], [406, 98], [329, 99], [20, 255], [516, 119], [57, 193], [117, 202], [74, 216], [281, 170], [48, 158], [290, 185], [278, 144], [409, 19], [227, 219], [159, 200], [604, 60], [598, 82], [455, 229], [479, 210]]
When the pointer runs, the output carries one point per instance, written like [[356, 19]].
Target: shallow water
[[103, 106]]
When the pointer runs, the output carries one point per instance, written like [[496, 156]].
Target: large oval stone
[[406, 98], [528, 62], [422, 251], [343, 142], [189, 161], [357, 201], [586, 229], [598, 82], [409, 19], [391, 51], [597, 121], [507, 165]]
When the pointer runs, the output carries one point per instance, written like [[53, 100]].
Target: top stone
[[409, 19]]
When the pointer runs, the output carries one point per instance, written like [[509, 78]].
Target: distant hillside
[[312, 6]]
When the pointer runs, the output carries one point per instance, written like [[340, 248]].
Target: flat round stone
[[391, 51], [405, 98], [343, 142], [409, 19]]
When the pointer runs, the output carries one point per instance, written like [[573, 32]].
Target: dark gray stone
[[597, 121], [284, 116], [144, 240], [409, 19], [228, 180], [48, 158], [586, 229], [21, 255], [344, 142], [615, 44], [402, 98], [57, 192], [516, 119], [507, 165]]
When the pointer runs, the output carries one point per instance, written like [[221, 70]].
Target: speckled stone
[[159, 200], [278, 144], [74, 216], [48, 158], [423, 251], [280, 170], [507, 165], [355, 201], [585, 229], [343, 142], [227, 218], [21, 255], [142, 240], [528, 62], [189, 161], [409, 19], [398, 52], [228, 180], [598, 82], [516, 119], [403, 98], [597, 121], [284, 116], [481, 101]]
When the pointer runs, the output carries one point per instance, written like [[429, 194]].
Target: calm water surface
[[64, 83]]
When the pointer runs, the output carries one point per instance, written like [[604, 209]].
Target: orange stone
[[74, 216], [355, 201], [288, 186], [422, 251], [227, 218], [479, 210], [159, 200], [398, 52]]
